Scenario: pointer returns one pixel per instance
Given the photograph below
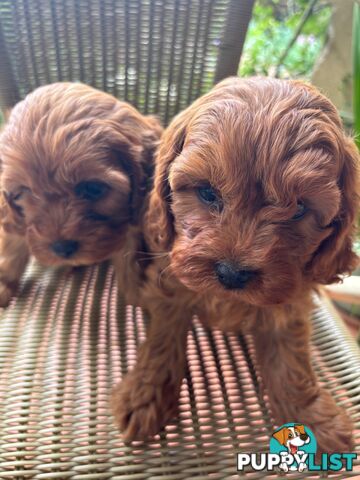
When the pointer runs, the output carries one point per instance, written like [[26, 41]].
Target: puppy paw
[[141, 408], [339, 440], [331, 425], [7, 291]]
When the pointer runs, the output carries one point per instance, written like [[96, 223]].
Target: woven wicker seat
[[69, 337]]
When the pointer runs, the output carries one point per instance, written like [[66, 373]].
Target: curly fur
[[58, 136], [263, 144]]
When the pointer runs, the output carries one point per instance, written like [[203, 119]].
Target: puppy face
[[258, 189], [74, 169]]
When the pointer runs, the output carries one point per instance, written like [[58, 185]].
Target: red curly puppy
[[75, 164], [254, 204]]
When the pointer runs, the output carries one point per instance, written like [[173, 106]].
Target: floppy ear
[[133, 141], [335, 255], [159, 220], [280, 436], [129, 157]]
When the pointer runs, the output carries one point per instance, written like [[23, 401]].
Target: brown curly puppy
[[254, 204], [75, 163]]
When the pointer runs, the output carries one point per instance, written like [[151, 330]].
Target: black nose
[[304, 436], [65, 248], [231, 277]]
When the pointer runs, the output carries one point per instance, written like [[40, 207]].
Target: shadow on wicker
[[69, 337]]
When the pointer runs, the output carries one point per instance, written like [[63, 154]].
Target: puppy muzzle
[[231, 276]]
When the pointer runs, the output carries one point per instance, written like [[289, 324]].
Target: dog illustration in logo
[[292, 438]]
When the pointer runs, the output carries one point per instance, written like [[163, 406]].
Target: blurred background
[[304, 39]]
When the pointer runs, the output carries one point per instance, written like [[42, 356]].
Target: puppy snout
[[231, 276], [304, 436], [65, 248]]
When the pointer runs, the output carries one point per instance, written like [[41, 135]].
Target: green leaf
[[271, 29]]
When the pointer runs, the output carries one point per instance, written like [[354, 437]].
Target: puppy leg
[[148, 396], [284, 359], [14, 256]]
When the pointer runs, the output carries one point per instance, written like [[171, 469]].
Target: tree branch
[[297, 32]]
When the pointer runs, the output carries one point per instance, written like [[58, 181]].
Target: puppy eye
[[301, 209], [290, 435], [16, 196], [91, 190], [13, 197], [208, 195]]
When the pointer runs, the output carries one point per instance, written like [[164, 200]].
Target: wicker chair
[[69, 337]]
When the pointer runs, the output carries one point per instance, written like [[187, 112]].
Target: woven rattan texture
[[158, 54], [69, 337]]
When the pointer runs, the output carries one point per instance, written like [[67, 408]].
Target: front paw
[[7, 291], [142, 408], [330, 424], [335, 435]]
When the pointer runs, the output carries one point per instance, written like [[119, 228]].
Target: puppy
[[254, 204], [75, 163]]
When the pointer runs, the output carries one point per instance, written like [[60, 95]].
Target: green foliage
[[273, 25], [356, 71]]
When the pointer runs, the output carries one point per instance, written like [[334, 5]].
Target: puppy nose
[[304, 436], [65, 248], [231, 277]]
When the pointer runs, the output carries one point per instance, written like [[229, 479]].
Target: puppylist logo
[[293, 448]]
